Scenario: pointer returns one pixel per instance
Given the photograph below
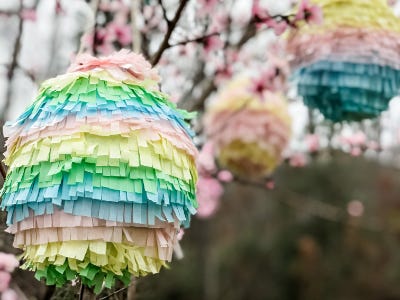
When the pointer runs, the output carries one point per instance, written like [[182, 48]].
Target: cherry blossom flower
[[357, 139], [309, 12], [207, 6], [297, 160], [212, 43], [8, 262], [180, 234], [9, 294], [29, 14], [219, 22], [5, 279], [279, 27], [223, 73], [258, 11], [355, 151], [209, 191], [225, 176], [205, 161], [270, 184], [122, 32], [59, 9], [312, 141]]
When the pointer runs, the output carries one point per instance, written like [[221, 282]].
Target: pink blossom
[[59, 9], [355, 151], [312, 141], [207, 6], [103, 41], [264, 82], [223, 73], [232, 55], [225, 176], [309, 12], [219, 22], [212, 43], [8, 262], [276, 61], [258, 11], [206, 161], [5, 279], [9, 295], [270, 184], [29, 14], [122, 32], [278, 27], [358, 139], [209, 190], [180, 234], [297, 160]]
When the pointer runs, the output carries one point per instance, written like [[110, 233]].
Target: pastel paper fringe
[[101, 174], [348, 67], [249, 133]]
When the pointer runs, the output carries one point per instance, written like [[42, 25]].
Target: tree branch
[[199, 39], [171, 26], [96, 4], [14, 62], [164, 11], [209, 86], [3, 170], [313, 207]]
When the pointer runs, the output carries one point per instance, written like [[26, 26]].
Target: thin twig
[[96, 5], [164, 11], [171, 26], [199, 39], [116, 292], [14, 62], [81, 291], [9, 13], [3, 170], [313, 207], [210, 86], [28, 73]]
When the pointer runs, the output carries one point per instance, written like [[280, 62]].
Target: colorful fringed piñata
[[348, 67], [249, 132], [101, 174]]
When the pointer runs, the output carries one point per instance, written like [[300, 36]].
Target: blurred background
[[325, 225]]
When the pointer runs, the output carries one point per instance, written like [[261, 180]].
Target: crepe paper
[[157, 243], [61, 219], [107, 126], [348, 68], [250, 131], [60, 275], [87, 259], [52, 106], [248, 158], [101, 174], [307, 48]]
